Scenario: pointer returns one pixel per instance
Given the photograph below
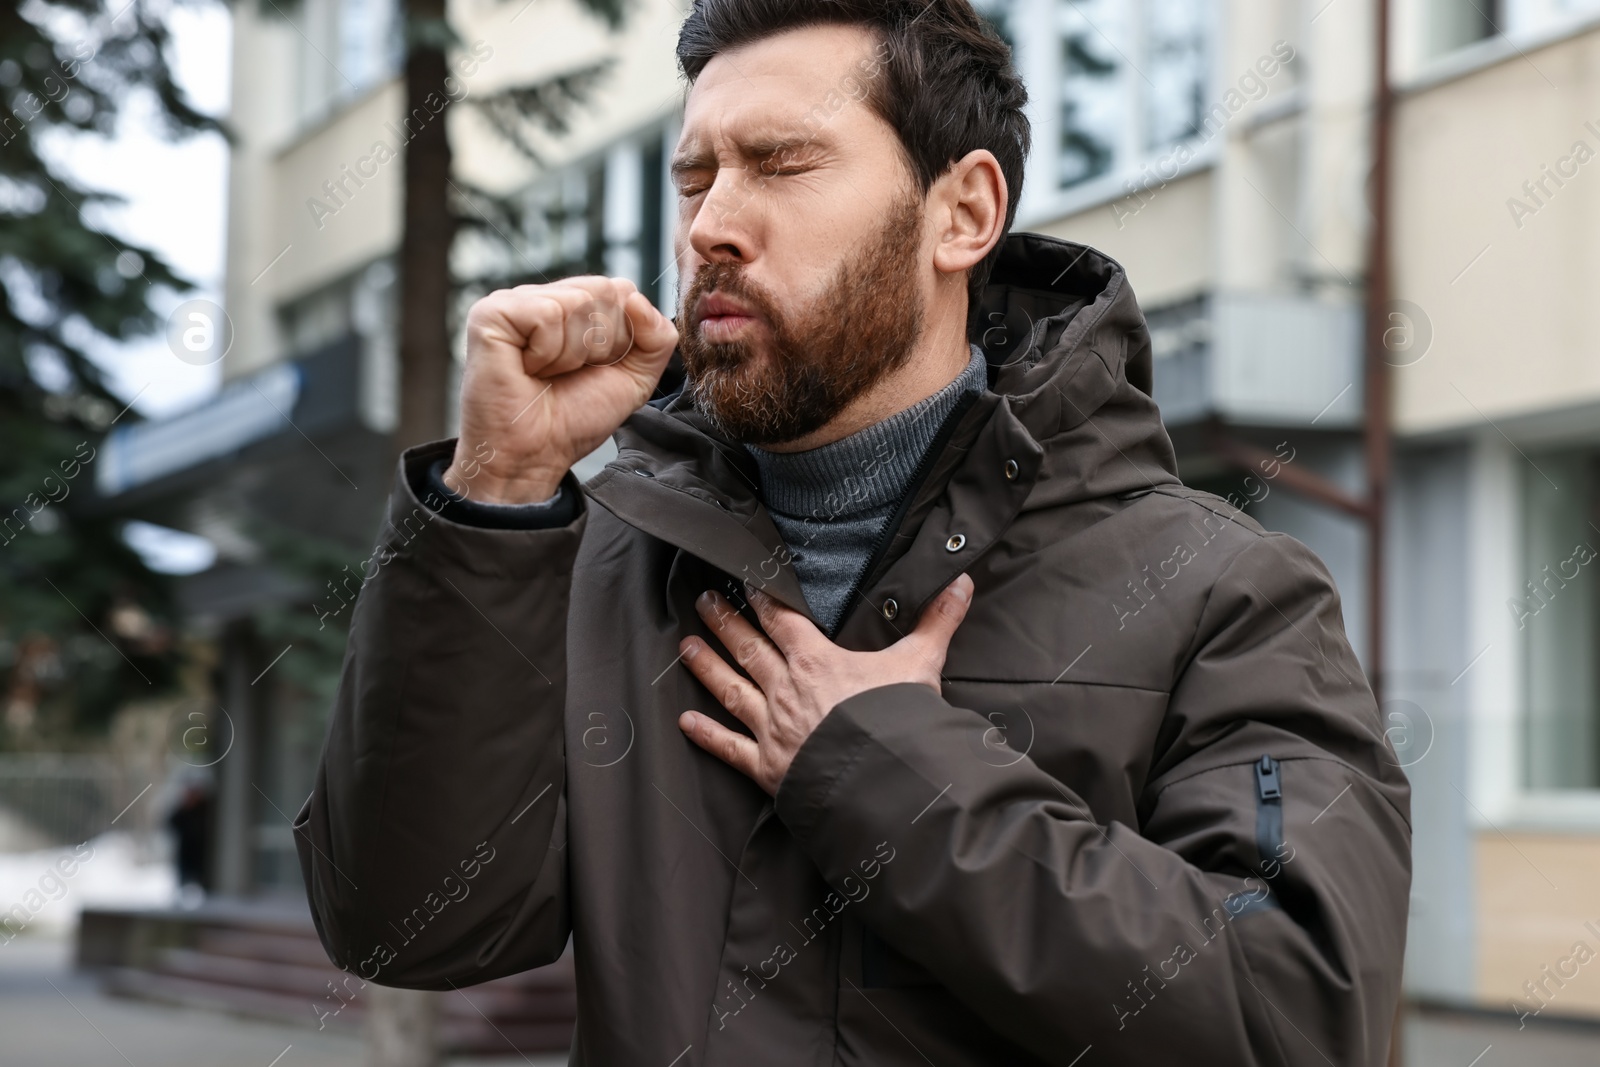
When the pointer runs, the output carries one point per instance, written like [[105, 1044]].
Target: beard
[[819, 357]]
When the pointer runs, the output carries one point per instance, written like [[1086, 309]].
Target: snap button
[[644, 474], [956, 543], [890, 609], [1012, 470]]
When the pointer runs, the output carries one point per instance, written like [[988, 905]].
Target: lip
[[721, 316]]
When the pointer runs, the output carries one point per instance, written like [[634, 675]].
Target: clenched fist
[[552, 371]]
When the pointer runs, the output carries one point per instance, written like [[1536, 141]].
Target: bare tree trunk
[[402, 1027], [425, 246]]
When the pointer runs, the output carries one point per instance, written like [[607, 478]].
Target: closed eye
[[689, 189]]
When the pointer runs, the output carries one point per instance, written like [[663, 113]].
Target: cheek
[[687, 260], [807, 248]]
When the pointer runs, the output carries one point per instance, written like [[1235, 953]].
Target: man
[[888, 699]]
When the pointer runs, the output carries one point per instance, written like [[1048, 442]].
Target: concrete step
[[234, 999], [271, 976], [508, 1000], [465, 1030], [229, 958], [282, 947]]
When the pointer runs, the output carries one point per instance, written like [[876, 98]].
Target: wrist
[[473, 479]]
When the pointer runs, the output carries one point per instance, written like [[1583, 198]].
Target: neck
[[939, 356], [869, 471]]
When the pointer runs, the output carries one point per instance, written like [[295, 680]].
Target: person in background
[[190, 823]]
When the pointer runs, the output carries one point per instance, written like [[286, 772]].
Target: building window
[[343, 48], [1558, 618], [1094, 40], [1178, 46], [1450, 25], [324, 317], [1113, 84], [1453, 24], [604, 215]]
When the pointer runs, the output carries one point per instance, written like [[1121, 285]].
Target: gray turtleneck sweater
[[830, 504]]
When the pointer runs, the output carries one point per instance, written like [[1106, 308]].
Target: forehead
[[805, 84]]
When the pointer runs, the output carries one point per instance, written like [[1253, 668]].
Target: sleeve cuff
[[428, 484], [416, 530], [854, 762]]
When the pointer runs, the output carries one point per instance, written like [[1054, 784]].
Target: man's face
[[801, 235]]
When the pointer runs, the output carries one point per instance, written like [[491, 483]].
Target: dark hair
[[946, 84]]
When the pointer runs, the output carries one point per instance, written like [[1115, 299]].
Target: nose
[[720, 230]]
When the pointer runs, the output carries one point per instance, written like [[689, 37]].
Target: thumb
[[654, 334], [939, 621]]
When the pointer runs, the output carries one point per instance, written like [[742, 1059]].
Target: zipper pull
[[1267, 780]]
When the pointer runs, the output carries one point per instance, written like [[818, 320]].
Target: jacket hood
[[1070, 357]]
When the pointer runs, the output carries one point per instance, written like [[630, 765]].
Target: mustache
[[732, 280]]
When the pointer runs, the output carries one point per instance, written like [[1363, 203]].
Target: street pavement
[[53, 1016], [1449, 1039]]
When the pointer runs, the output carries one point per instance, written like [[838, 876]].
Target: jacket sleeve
[[432, 844], [1256, 916]]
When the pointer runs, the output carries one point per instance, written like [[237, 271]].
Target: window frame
[[1533, 796], [1414, 70], [1495, 707], [1043, 198]]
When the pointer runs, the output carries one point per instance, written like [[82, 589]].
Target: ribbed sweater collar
[[869, 470]]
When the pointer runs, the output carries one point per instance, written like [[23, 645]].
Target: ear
[[968, 203]]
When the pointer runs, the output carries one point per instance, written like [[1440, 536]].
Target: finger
[[654, 335], [516, 326], [547, 350], [601, 330], [736, 750], [748, 646], [789, 630], [743, 700], [597, 330], [557, 327], [931, 639]]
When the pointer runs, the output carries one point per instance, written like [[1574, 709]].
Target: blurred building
[[1494, 593], [1220, 150]]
